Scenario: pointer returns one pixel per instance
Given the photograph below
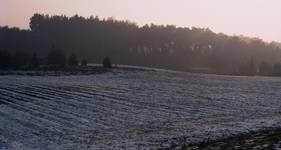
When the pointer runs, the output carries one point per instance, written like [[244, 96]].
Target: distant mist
[[125, 42]]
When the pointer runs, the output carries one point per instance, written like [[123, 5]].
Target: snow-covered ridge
[[132, 109]]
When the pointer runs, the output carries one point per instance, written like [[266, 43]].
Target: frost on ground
[[133, 109], [262, 140]]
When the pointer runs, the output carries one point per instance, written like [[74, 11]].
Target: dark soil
[[265, 140]]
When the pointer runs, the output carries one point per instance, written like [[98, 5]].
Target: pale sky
[[255, 18]]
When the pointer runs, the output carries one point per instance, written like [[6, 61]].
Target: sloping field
[[133, 109]]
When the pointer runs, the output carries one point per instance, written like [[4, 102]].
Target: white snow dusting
[[133, 109]]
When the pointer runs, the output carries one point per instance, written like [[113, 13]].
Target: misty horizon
[[246, 18], [149, 24]]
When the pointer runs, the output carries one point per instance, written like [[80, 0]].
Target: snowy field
[[133, 109]]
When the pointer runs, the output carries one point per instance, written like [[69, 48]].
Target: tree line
[[24, 60], [55, 59], [161, 46], [263, 68]]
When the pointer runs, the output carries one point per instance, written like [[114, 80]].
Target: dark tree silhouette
[[21, 60], [72, 60], [5, 60], [265, 69], [277, 69], [248, 68], [56, 58], [107, 62], [84, 62], [34, 61], [168, 46]]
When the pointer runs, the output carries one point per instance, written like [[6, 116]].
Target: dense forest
[[124, 42]]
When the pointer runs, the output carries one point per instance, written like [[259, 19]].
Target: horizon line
[[142, 25]]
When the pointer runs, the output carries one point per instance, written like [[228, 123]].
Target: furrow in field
[[35, 125], [103, 118], [134, 118], [62, 118], [101, 100], [46, 101], [122, 102], [130, 100], [114, 110], [180, 111], [37, 113]]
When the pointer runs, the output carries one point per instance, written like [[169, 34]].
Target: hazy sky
[[258, 18]]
